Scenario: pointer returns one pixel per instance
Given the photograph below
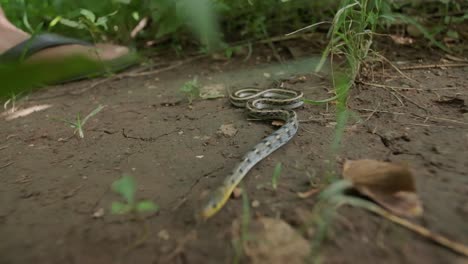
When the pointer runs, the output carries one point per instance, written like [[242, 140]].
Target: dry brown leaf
[[273, 241], [389, 184]]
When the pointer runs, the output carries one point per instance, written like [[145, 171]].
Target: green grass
[[78, 123], [276, 175], [126, 188], [246, 217]]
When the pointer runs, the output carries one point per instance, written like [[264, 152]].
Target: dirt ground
[[52, 183]]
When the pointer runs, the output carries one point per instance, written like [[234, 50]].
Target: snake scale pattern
[[269, 104]]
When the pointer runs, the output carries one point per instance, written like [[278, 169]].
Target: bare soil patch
[[51, 183]]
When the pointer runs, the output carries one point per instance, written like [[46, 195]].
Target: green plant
[[12, 100], [244, 229], [126, 188], [78, 124], [86, 20], [351, 33], [191, 89], [350, 36], [276, 175]]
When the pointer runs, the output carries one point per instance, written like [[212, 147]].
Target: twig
[[434, 118], [441, 240], [307, 27], [284, 37], [397, 92], [431, 66], [372, 113], [394, 67], [379, 111], [3, 147], [308, 193], [405, 88], [425, 125], [394, 95], [442, 119], [6, 165]]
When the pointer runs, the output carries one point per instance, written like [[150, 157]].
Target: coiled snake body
[[275, 103]]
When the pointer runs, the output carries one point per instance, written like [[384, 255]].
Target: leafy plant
[[78, 124], [191, 90], [126, 188], [87, 20]]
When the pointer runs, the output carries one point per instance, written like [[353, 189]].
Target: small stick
[[432, 66], [406, 88], [386, 87], [394, 95], [308, 193], [394, 67], [442, 119], [441, 240], [410, 100], [434, 118], [6, 165], [379, 111], [372, 113]]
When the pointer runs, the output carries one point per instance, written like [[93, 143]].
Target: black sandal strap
[[37, 43]]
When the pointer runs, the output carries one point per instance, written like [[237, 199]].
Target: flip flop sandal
[[60, 70]]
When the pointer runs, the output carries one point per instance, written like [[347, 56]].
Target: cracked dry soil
[[52, 183]]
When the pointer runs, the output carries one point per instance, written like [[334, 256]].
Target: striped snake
[[274, 103]]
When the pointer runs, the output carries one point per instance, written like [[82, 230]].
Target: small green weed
[[78, 124], [244, 229], [11, 101], [276, 175], [191, 90], [126, 188]]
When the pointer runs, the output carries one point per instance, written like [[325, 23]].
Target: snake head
[[215, 202]]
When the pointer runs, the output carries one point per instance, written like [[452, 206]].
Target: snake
[[269, 104]]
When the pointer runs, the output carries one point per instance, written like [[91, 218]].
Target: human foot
[[11, 36]]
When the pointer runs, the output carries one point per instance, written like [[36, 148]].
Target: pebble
[[255, 204]]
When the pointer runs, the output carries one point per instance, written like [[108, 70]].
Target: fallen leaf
[[274, 242], [389, 184]]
